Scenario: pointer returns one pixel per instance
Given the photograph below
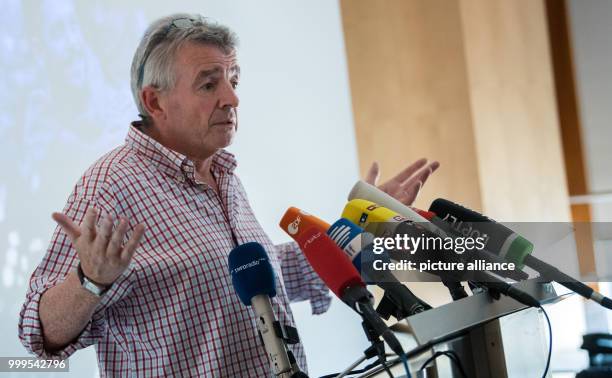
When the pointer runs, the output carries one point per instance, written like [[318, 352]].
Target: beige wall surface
[[468, 83], [410, 92], [514, 110]]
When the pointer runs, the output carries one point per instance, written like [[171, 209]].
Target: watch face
[[90, 286]]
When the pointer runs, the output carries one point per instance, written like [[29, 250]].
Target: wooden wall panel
[[466, 82], [514, 110], [410, 92]]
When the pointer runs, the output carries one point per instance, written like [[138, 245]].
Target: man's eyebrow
[[204, 74], [235, 70]]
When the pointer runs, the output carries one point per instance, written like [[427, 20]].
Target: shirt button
[[180, 179]]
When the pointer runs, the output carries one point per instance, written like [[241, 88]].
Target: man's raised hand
[[405, 186], [100, 249]]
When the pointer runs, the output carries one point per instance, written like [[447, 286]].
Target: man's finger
[[104, 234], [132, 244], [373, 174], [88, 228], [71, 229], [409, 193], [114, 247], [433, 166], [410, 170], [424, 174]]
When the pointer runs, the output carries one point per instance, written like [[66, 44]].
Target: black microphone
[[485, 279], [513, 247], [451, 230], [384, 221]]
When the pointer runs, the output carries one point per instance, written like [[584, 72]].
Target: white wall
[[591, 30], [65, 100]]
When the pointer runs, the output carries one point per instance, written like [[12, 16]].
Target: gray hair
[[153, 62]]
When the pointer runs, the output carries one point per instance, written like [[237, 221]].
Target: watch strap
[[89, 285]]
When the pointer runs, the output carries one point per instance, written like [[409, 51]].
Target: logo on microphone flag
[[293, 227]]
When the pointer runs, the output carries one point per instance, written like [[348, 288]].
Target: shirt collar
[[170, 161]]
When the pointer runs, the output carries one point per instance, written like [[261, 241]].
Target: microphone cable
[[550, 341], [385, 365], [451, 356], [404, 359]]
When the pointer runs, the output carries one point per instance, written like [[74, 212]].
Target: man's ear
[[152, 103]]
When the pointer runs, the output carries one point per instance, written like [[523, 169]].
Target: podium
[[493, 338]]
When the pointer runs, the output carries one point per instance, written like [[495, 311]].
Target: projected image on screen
[[64, 101]]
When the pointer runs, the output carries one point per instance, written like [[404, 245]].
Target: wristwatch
[[94, 288]]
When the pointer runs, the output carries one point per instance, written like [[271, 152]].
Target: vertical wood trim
[[571, 131]]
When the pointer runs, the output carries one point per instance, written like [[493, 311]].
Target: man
[[144, 277]]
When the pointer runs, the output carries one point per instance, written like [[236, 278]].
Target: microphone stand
[[289, 335], [391, 305], [376, 331], [376, 349], [295, 369]]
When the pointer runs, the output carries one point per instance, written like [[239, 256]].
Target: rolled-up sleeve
[[60, 259], [30, 328], [301, 281]]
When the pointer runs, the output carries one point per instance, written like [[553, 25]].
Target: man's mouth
[[224, 123]]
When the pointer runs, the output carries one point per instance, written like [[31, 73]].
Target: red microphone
[[339, 274], [328, 260], [335, 269]]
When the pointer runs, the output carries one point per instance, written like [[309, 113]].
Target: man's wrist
[[88, 284]]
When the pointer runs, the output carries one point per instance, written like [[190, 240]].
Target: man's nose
[[229, 97]]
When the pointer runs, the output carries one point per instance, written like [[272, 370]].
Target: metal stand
[[376, 349], [493, 338]]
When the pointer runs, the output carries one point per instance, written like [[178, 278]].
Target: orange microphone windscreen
[[296, 221]]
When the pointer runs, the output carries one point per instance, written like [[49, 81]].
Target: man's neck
[[203, 173], [202, 166]]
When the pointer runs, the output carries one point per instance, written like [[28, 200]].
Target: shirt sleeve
[[60, 259], [301, 281]]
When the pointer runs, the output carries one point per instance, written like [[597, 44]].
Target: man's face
[[200, 111]]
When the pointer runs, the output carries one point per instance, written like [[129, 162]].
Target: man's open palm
[[101, 251]]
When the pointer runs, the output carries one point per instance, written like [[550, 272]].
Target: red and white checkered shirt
[[174, 311]]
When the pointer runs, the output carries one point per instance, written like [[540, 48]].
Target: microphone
[[339, 274], [254, 282], [382, 222], [499, 239], [398, 300], [517, 274], [365, 191], [296, 221], [366, 211], [374, 218], [481, 277], [329, 263], [351, 239], [511, 246]]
